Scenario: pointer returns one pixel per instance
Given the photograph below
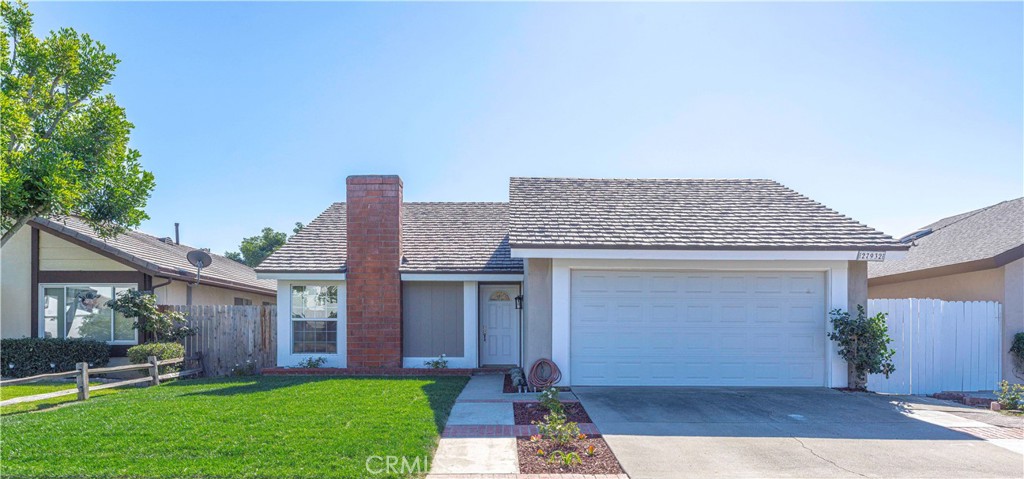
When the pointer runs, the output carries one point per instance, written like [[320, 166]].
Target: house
[[618, 281], [974, 256], [58, 273]]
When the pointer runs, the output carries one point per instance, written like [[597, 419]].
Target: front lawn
[[42, 387], [254, 426]]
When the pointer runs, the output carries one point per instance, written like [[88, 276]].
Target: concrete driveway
[[785, 432]]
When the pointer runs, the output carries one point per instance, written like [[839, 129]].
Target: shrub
[[1017, 351], [440, 363], [312, 363], [863, 343], [549, 400], [555, 427], [141, 353], [30, 356], [1010, 396]]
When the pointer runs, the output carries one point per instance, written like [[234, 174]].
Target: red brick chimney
[[374, 286]]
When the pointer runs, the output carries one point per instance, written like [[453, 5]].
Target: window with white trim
[[314, 311], [81, 311]]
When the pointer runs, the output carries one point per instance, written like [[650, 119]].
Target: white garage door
[[698, 328]]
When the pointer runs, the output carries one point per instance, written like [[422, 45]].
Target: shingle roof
[[436, 237], [678, 214], [976, 235], [156, 257]]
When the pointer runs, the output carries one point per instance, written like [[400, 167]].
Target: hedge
[[141, 353], [30, 356]]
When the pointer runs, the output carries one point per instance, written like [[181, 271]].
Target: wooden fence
[[230, 337], [82, 373], [940, 345]]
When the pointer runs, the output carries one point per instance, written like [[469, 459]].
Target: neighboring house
[[57, 275], [974, 256], [621, 282]]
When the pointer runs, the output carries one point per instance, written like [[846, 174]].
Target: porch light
[[519, 302]]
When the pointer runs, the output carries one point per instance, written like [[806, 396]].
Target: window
[[80, 311], [499, 296], [314, 311], [243, 302]]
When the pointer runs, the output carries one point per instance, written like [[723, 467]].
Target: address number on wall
[[871, 256]]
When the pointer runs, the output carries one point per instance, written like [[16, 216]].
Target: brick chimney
[[374, 286]]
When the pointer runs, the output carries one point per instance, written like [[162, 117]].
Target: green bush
[[1010, 396], [30, 356], [141, 353], [863, 343]]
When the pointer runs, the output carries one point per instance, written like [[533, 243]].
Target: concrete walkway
[[479, 440]]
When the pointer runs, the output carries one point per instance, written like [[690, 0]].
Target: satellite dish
[[200, 259]]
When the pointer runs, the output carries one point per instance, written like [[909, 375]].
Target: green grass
[[11, 392], [234, 427]]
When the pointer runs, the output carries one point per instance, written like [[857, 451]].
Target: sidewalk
[[479, 440]]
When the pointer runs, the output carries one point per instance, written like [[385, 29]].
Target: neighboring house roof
[[436, 238], [981, 239], [156, 257], [679, 214]]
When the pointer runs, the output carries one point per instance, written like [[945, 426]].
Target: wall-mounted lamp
[[519, 302]]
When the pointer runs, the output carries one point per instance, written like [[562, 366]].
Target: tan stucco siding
[[176, 293], [16, 285], [537, 310], [985, 285], [1013, 314], [56, 254], [857, 285]]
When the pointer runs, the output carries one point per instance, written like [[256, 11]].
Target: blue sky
[[253, 114]]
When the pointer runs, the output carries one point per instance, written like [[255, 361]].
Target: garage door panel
[[678, 328]]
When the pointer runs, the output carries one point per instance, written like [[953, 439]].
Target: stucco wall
[[16, 285], [176, 293], [536, 310], [857, 285], [985, 285], [1013, 314]]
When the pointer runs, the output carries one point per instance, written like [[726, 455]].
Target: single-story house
[[618, 281], [58, 274], [973, 256]]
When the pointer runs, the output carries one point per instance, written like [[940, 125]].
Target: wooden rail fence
[[231, 337], [82, 373]]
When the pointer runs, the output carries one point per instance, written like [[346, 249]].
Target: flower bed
[[530, 412], [544, 456]]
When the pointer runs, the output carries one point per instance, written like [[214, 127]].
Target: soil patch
[[601, 462], [507, 388], [528, 412]]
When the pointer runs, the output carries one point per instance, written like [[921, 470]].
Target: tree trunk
[[855, 379], [14, 229]]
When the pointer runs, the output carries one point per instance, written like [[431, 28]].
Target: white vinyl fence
[[940, 345]]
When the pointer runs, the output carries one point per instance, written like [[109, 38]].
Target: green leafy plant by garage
[[1010, 396], [30, 356], [153, 322], [1017, 352], [863, 343]]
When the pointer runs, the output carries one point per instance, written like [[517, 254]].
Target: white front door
[[700, 328], [499, 325]]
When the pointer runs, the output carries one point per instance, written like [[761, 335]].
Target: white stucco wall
[[16, 285]]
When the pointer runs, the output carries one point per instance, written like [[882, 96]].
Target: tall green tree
[[255, 249], [64, 143]]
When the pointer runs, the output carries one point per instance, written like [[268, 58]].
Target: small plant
[[247, 369], [549, 400], [555, 427], [1010, 396], [863, 343], [440, 363], [590, 451], [312, 363], [566, 459], [535, 438], [1017, 352], [540, 452]]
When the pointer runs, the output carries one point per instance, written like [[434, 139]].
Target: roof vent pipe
[[176, 239]]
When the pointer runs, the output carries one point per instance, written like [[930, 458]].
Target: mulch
[[528, 412], [508, 388], [601, 462]]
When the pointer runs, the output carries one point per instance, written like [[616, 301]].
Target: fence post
[[83, 381], [154, 370]]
